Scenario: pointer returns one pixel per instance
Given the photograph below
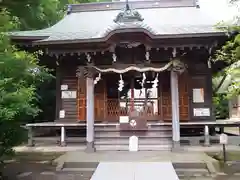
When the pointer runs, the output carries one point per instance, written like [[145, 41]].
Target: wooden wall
[[67, 76], [198, 75]]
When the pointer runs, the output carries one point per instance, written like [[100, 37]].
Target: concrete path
[[134, 171]]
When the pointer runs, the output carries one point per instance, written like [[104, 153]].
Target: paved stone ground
[[55, 148], [38, 171], [125, 156], [52, 175], [74, 153]]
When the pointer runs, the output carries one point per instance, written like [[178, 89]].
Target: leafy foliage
[[20, 74], [220, 102], [229, 53]]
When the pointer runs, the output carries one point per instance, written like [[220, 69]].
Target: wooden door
[[183, 96], [81, 101], [166, 96], [100, 100]]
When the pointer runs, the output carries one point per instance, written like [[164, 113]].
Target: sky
[[220, 9]]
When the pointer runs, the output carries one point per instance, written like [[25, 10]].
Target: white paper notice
[[62, 114], [124, 119], [223, 139], [69, 94], [198, 95], [64, 87], [201, 112]]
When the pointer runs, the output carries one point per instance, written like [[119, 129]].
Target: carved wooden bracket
[[178, 66], [86, 72]]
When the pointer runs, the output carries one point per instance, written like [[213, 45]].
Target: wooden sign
[[69, 94], [223, 139]]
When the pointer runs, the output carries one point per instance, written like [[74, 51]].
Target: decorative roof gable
[[128, 15]]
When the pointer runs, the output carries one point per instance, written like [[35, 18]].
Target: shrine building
[[131, 65]]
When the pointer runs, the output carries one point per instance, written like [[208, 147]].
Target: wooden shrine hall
[[130, 63]]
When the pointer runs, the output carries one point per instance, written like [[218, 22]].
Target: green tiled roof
[[95, 25]]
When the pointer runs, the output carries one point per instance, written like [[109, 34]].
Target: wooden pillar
[[90, 114], [132, 94], [58, 92], [175, 111]]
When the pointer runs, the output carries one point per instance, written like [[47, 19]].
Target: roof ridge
[[105, 6]]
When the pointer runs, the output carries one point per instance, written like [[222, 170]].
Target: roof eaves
[[162, 36], [34, 38]]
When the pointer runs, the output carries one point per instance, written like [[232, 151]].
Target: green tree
[[20, 74], [228, 80]]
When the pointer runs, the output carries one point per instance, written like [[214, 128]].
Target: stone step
[[117, 128], [78, 170], [128, 134], [192, 172], [148, 141], [126, 147], [74, 174], [108, 139], [189, 165], [196, 178]]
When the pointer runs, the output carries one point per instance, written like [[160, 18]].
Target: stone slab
[[154, 170], [134, 171], [114, 170], [140, 156]]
